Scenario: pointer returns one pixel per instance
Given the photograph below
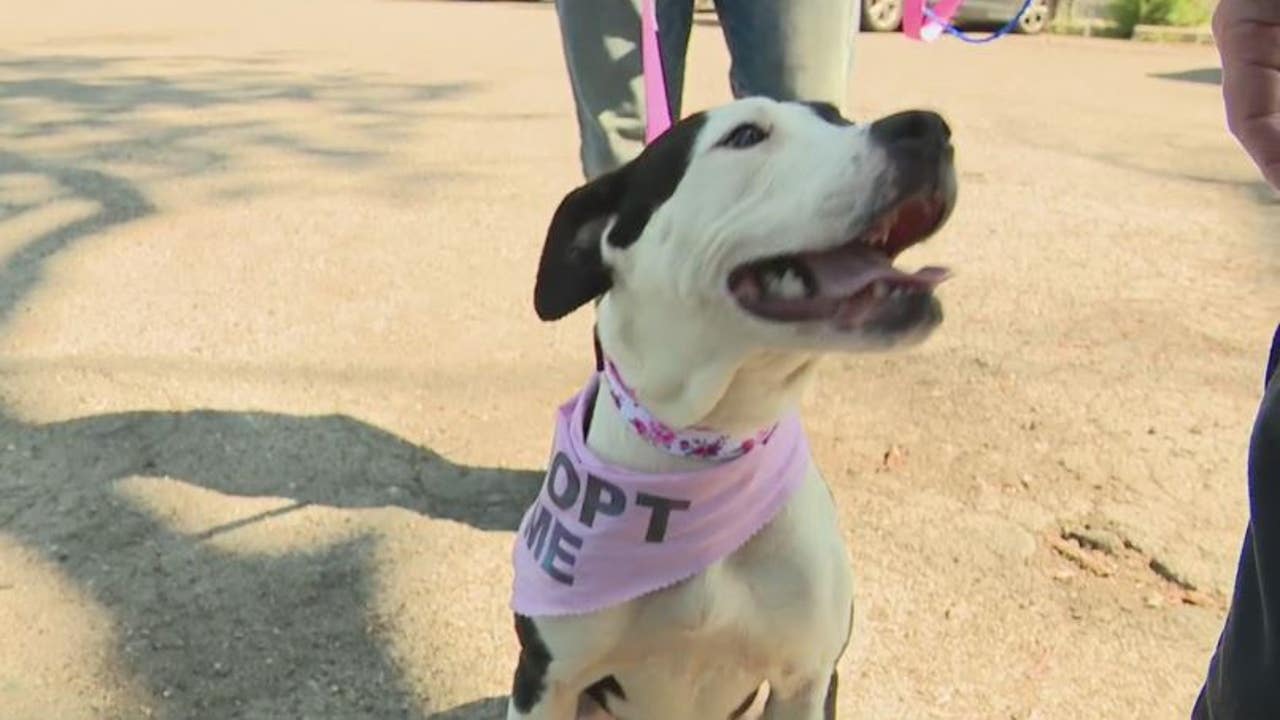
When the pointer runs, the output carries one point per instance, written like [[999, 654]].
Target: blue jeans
[[783, 49], [1243, 680]]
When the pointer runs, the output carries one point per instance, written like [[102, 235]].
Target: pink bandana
[[599, 535]]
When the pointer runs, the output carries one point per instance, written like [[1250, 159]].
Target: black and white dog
[[734, 251]]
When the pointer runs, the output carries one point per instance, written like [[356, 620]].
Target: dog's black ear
[[828, 112], [571, 271]]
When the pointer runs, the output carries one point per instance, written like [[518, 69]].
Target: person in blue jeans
[[782, 49], [1243, 680]]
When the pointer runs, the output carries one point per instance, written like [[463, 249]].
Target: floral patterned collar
[[694, 442]]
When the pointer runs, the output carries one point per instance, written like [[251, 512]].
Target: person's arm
[[1248, 37]]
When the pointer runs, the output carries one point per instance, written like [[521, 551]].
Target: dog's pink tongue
[[848, 270]]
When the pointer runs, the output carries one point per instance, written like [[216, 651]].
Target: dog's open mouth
[[845, 284]]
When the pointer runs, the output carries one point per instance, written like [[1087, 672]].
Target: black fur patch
[[531, 673], [652, 178], [829, 706], [828, 112], [571, 271], [914, 128], [603, 688], [833, 688], [744, 705], [848, 633]]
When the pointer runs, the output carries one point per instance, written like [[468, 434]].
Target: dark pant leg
[[1243, 680]]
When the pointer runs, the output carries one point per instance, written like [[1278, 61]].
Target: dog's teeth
[[879, 290], [878, 235], [886, 228], [898, 292], [787, 284]]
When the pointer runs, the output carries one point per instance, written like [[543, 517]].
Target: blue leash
[[958, 33]]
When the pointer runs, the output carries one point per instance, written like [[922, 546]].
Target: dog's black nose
[[917, 144], [914, 128]]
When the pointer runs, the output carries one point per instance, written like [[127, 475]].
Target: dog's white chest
[[777, 610]]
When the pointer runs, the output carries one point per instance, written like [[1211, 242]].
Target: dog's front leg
[[556, 702], [542, 688], [815, 700]]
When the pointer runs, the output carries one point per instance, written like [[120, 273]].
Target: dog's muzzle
[[853, 283]]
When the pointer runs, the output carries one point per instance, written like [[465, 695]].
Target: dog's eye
[[744, 136]]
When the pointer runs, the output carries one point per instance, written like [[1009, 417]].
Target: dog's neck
[[685, 378]]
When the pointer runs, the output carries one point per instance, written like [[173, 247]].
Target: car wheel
[[1036, 18], [881, 15]]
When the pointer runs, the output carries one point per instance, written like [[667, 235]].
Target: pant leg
[[791, 49], [1243, 679], [601, 40], [675, 23]]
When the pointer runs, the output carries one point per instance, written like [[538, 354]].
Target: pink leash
[[657, 111], [918, 24]]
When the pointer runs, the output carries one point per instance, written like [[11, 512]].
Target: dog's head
[[777, 222]]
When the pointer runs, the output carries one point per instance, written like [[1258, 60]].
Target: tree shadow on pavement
[[126, 126], [117, 201], [491, 708], [1204, 76], [210, 634], [215, 634], [171, 123]]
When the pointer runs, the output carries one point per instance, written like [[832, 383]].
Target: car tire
[[1037, 17], [881, 15]]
